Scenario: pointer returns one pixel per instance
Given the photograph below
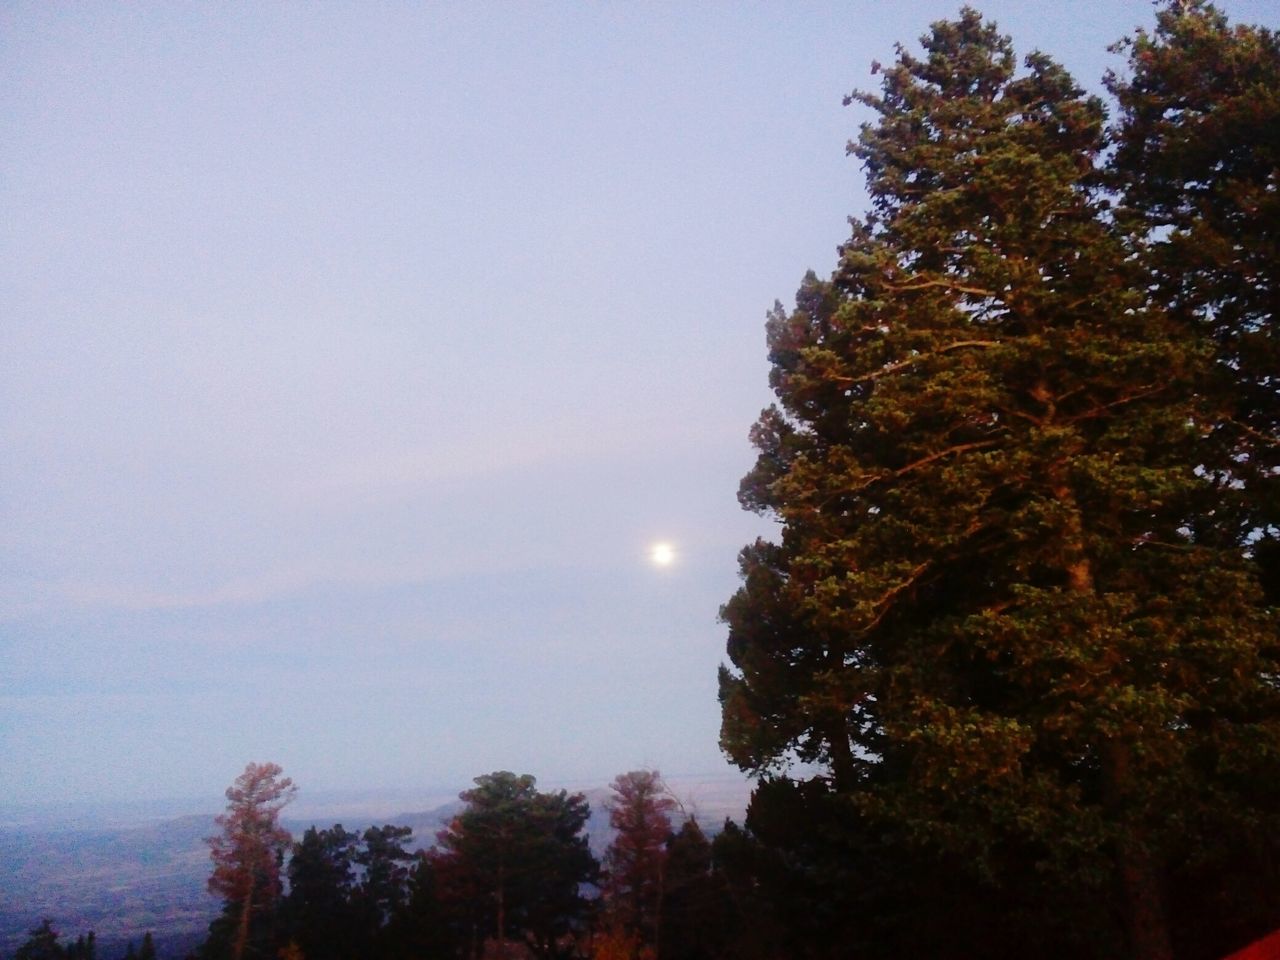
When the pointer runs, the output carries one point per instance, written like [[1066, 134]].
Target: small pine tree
[[42, 944]]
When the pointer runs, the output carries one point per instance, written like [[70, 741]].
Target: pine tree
[[640, 813], [518, 859], [317, 912], [383, 888], [1001, 616], [247, 853], [695, 908], [1198, 166], [41, 944], [84, 948]]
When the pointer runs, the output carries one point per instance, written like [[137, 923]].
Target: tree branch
[[893, 367], [958, 448], [944, 284], [1147, 391], [1256, 434], [885, 603]]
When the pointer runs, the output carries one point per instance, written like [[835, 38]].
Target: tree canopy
[[635, 861], [1009, 613], [524, 852], [247, 854]]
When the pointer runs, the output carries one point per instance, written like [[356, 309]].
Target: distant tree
[[148, 949], [695, 915], [386, 869], [383, 888], [634, 863], [85, 947], [524, 856], [423, 926], [317, 912], [247, 856], [42, 944]]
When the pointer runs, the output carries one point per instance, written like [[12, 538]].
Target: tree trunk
[[241, 941], [502, 909], [1145, 918]]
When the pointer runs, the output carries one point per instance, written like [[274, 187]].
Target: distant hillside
[[117, 882], [122, 880]]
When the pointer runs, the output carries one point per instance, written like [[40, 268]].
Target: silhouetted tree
[[695, 916], [383, 887], [317, 912], [42, 944], [85, 947], [423, 926]]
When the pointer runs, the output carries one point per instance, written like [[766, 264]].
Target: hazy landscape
[[135, 871], [866, 414]]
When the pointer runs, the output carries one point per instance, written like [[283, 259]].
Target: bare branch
[[1256, 434], [1149, 390], [893, 367], [958, 448], [944, 284], [885, 603]]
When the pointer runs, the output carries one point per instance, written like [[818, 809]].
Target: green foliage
[[317, 913], [424, 926], [699, 919], [1198, 165], [522, 857], [1009, 616], [385, 864]]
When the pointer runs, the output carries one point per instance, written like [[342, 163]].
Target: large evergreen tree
[[1001, 616], [1198, 167], [521, 857]]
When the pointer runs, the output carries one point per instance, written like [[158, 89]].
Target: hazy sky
[[352, 357]]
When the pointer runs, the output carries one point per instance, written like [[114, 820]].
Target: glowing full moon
[[662, 554]]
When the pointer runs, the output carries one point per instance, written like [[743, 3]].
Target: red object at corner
[[1268, 948]]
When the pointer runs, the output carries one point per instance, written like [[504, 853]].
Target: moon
[[662, 554]]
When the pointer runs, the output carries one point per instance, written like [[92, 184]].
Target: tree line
[[44, 943], [511, 875]]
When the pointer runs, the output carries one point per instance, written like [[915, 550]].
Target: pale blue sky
[[352, 356]]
